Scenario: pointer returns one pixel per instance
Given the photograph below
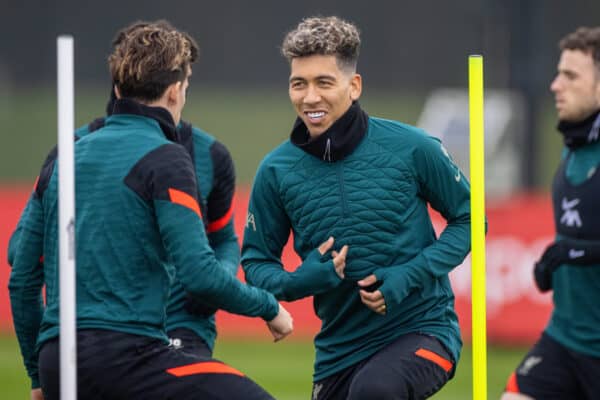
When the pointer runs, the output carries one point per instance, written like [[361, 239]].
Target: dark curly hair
[[324, 36]]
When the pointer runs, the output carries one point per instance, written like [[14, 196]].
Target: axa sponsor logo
[[570, 215]]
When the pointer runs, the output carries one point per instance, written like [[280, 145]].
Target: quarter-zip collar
[[159, 114], [337, 142], [577, 134]]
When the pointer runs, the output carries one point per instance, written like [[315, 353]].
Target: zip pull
[[327, 154], [593, 135]]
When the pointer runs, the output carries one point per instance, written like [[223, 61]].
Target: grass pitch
[[284, 368]]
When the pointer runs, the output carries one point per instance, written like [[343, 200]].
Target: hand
[[339, 259], [543, 276], [555, 255], [282, 325], [36, 394], [371, 296]]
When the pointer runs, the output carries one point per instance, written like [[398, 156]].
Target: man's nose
[[312, 95], [555, 85]]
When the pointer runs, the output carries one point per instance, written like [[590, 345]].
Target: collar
[[577, 134], [159, 114], [111, 101], [337, 142]]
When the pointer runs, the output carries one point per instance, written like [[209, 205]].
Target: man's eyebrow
[[318, 77]]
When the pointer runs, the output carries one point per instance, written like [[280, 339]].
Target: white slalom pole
[[66, 218]]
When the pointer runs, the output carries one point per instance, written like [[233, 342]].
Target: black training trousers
[[413, 367], [115, 365]]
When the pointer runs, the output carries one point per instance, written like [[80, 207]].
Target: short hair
[[134, 26], [148, 57], [586, 39], [324, 36]]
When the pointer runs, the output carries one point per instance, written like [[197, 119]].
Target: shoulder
[[201, 136], [82, 131], [93, 126], [284, 154], [278, 162], [404, 140], [398, 133], [46, 171], [166, 165], [164, 153]]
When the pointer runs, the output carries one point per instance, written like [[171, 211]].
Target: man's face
[[576, 87], [321, 92]]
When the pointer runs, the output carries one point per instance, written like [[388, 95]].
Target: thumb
[[369, 280], [326, 245]]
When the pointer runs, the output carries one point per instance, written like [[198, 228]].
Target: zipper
[[343, 198]]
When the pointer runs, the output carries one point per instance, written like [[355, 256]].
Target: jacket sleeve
[[26, 281], [266, 233], [441, 183], [169, 178], [220, 228], [14, 237]]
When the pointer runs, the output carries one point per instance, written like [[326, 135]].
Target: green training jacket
[[367, 182], [215, 175], [575, 320], [136, 211]]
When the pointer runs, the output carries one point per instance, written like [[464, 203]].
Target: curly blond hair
[[148, 57], [324, 36]]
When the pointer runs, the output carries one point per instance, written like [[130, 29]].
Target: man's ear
[[355, 87], [117, 91], [173, 92]]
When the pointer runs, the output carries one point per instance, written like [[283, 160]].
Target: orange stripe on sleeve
[[511, 385], [209, 367], [431, 356], [221, 222], [184, 199]]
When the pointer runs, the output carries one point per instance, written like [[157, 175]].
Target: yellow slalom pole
[[477, 175]]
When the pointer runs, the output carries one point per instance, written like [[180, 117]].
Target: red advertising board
[[519, 229]]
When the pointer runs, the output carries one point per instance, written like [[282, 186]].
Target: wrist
[[272, 309]]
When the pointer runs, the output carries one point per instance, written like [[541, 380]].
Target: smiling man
[[361, 186], [565, 362]]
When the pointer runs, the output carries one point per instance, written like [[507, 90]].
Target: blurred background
[[414, 67]]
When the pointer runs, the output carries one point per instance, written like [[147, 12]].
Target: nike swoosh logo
[[576, 253]]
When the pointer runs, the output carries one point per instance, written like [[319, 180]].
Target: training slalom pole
[[477, 174], [66, 218]]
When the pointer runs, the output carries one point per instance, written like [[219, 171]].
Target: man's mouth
[[315, 116]]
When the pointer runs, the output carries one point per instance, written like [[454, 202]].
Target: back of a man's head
[[585, 39], [324, 36], [148, 57]]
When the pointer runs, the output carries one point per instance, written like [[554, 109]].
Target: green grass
[[284, 368]]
